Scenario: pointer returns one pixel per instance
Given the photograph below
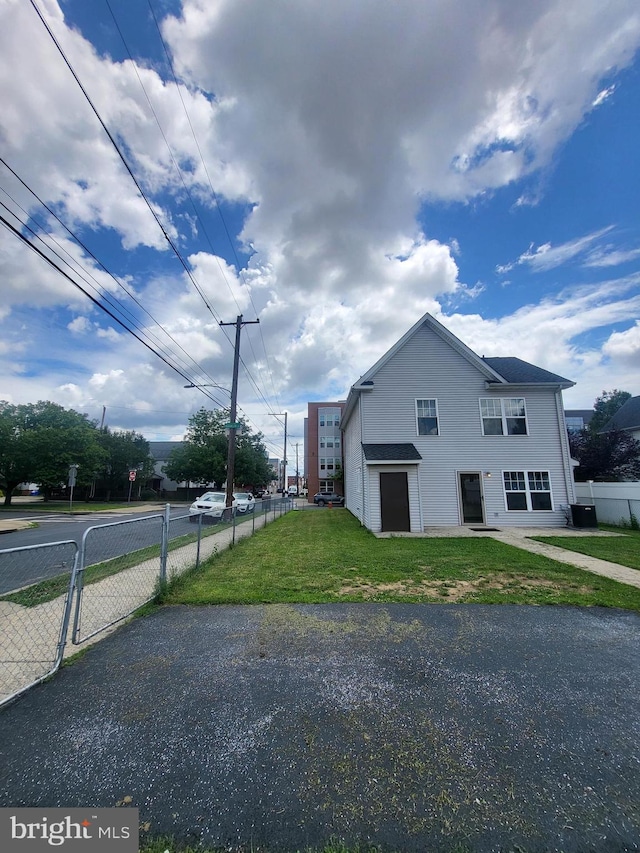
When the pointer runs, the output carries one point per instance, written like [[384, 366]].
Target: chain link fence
[[119, 567], [59, 591], [36, 587]]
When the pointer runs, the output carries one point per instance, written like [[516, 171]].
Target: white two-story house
[[436, 435]]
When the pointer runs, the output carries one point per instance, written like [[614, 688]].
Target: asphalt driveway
[[411, 727]]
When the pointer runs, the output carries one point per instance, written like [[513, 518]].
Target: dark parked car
[[323, 498]]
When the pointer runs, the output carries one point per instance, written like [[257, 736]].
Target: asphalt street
[[109, 538], [412, 727]]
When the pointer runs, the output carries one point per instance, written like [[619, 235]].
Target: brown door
[[394, 501]]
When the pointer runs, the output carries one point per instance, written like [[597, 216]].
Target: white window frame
[[504, 415], [436, 416], [528, 479]]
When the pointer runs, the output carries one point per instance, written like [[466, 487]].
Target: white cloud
[[547, 257], [625, 347], [611, 257], [604, 95], [332, 122]]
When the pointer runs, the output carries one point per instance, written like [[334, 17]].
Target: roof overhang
[[503, 386], [391, 454]]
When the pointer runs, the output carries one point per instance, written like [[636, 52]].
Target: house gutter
[[564, 444]]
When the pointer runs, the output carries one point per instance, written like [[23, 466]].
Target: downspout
[[564, 444], [362, 465]]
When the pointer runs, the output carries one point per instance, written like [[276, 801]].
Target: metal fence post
[[79, 582], [199, 540], [165, 543]]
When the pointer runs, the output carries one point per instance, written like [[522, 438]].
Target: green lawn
[[617, 549], [326, 556]]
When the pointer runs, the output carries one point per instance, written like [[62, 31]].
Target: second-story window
[[503, 416], [427, 417]]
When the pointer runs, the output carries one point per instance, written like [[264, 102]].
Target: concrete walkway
[[520, 537]]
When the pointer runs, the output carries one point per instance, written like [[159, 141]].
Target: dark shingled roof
[[390, 453], [161, 450], [516, 370], [627, 416]]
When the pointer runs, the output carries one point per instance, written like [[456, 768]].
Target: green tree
[[39, 443], [605, 407], [125, 451], [613, 455], [203, 456]]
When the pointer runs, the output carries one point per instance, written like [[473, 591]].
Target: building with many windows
[[323, 448]]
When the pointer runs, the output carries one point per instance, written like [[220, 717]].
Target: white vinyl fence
[[615, 503]]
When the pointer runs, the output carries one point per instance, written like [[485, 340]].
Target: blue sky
[[335, 169]]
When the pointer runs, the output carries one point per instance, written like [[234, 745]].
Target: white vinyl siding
[[387, 413]]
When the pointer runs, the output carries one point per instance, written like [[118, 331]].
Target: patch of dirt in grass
[[451, 590]]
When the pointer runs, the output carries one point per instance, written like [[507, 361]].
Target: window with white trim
[[322, 441], [323, 464], [527, 491], [427, 417], [326, 486], [503, 416]]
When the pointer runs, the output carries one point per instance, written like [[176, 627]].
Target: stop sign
[[132, 475]]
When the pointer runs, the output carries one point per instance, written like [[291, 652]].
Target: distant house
[[627, 418], [578, 419], [436, 435], [161, 451]]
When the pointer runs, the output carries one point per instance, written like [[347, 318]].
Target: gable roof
[[627, 416], [518, 372], [161, 450], [496, 371]]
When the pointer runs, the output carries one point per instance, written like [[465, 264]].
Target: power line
[[105, 295], [215, 198], [124, 161], [96, 302], [139, 188]]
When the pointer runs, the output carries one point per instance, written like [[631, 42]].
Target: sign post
[[73, 470], [132, 477]]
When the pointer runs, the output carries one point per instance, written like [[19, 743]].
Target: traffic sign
[[132, 475], [233, 426]]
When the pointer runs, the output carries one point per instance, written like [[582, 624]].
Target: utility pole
[[233, 426], [297, 472], [284, 461]]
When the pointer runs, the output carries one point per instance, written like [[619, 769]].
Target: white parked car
[[211, 506], [245, 500]]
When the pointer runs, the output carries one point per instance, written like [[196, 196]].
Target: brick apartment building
[[323, 447]]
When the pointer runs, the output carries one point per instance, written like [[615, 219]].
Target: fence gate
[[36, 589], [118, 571]]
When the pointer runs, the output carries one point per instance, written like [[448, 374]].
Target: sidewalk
[[10, 525], [29, 636], [520, 537]]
